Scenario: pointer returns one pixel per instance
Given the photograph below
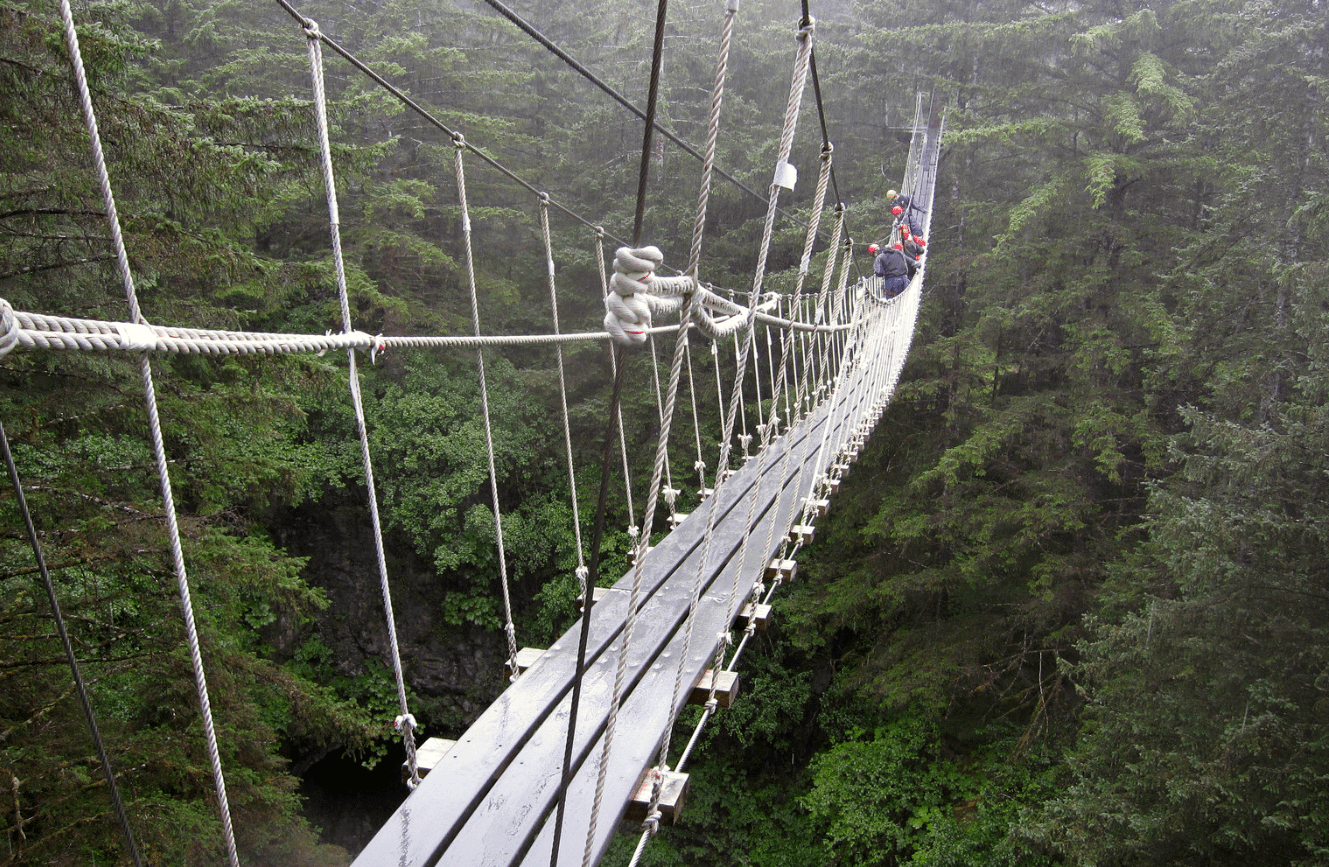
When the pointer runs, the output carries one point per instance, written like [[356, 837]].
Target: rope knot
[[404, 723], [377, 346], [458, 140], [310, 27], [582, 574], [9, 324]]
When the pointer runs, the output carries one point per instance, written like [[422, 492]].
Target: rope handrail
[[43, 331]]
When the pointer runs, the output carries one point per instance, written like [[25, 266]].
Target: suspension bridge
[[581, 737]]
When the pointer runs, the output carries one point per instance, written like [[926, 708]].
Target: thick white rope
[[509, 627], [154, 422], [405, 722]]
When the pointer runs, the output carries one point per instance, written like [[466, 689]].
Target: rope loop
[[310, 27], [826, 150], [9, 337], [458, 141], [544, 199]]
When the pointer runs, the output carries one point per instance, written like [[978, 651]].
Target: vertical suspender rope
[[788, 353], [791, 116], [582, 571], [459, 144], [648, 515], [405, 722], [107, 770], [158, 445], [652, 821], [744, 438], [700, 464]]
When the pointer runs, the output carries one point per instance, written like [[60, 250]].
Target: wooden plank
[[502, 733], [488, 815], [526, 657], [581, 793], [598, 594], [427, 757]]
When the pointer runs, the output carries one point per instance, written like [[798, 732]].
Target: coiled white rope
[[154, 423]]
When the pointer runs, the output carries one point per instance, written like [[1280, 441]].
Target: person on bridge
[[908, 214], [893, 267]]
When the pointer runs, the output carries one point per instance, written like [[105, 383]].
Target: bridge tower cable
[[154, 424], [108, 770]]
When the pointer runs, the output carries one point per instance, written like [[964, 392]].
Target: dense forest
[[1071, 607]]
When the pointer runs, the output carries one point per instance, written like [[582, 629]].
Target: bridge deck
[[491, 800]]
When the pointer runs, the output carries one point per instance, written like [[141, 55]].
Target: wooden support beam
[[802, 534], [597, 594], [632, 558], [673, 789], [760, 615], [703, 494], [526, 657], [677, 518], [427, 757], [785, 569], [726, 688], [816, 507]]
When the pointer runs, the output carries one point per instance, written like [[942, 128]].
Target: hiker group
[[899, 256]]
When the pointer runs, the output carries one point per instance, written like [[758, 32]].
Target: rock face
[[456, 670]]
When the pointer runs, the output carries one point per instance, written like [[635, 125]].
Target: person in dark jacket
[[909, 215], [892, 267]]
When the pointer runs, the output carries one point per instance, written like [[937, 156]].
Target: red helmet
[[897, 210], [904, 230], [873, 248]]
